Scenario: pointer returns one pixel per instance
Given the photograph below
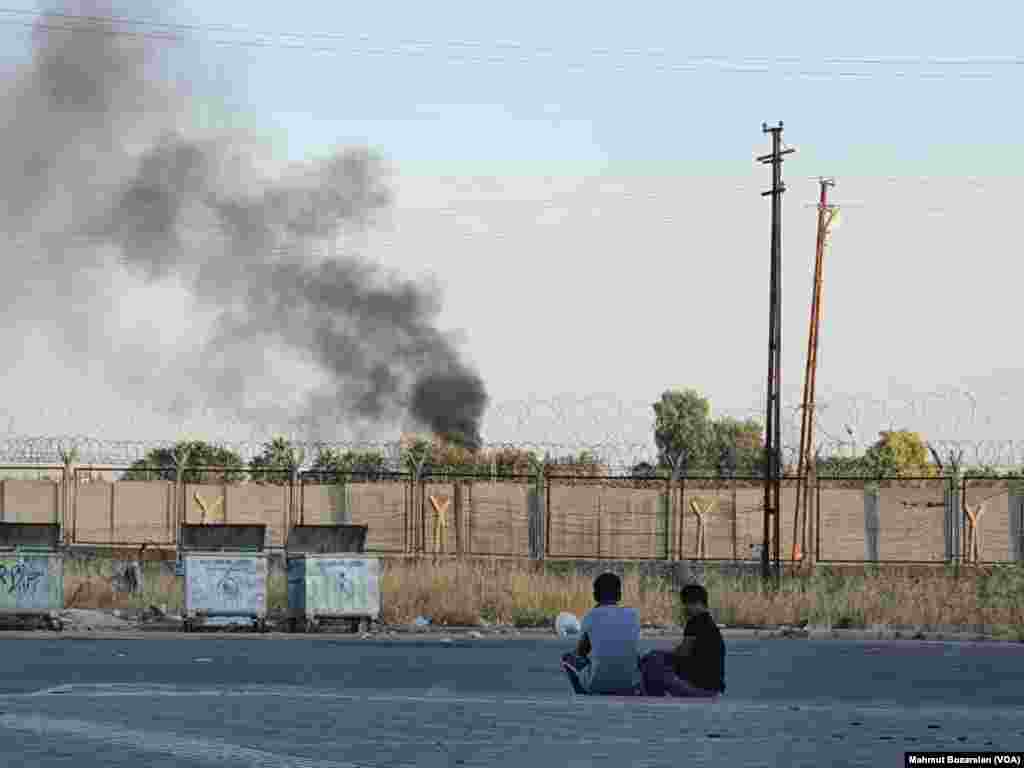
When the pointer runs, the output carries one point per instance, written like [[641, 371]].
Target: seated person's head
[[607, 589], [694, 598]]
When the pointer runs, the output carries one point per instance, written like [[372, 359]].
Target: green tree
[[736, 447], [682, 430], [899, 453], [843, 466], [276, 462], [330, 463], [201, 462], [419, 457]]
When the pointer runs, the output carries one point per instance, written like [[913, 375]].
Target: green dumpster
[[31, 573], [329, 577]]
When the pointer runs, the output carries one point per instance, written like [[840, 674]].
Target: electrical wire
[[445, 51]]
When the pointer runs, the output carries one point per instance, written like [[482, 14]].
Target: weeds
[[468, 593], [89, 584]]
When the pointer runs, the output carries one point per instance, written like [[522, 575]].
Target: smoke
[[102, 173]]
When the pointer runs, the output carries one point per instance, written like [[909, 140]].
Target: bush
[[528, 617], [1003, 588]]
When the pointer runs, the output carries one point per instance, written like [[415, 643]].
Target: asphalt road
[[299, 701]]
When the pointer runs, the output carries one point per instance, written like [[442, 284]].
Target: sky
[[582, 188]]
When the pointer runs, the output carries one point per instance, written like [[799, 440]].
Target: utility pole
[[805, 466], [773, 429]]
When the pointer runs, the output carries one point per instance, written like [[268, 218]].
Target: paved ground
[[201, 700]]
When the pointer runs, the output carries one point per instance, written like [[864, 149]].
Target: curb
[[166, 626]]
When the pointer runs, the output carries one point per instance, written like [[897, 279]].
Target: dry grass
[[990, 597], [89, 584], [507, 592], [513, 592], [502, 592]]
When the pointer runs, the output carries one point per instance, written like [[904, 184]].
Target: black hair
[[607, 588], [694, 593]]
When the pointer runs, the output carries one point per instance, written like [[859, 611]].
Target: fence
[[905, 520]]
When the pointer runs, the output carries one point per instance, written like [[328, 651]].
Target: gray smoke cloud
[[99, 161]]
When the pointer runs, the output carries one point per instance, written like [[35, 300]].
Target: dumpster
[[225, 573], [32, 573], [330, 579]]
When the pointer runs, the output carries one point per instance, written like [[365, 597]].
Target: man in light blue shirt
[[607, 655]]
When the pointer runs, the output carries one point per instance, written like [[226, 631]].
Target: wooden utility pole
[[805, 461], [773, 429]]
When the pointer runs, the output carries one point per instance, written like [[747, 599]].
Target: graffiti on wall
[[22, 578]]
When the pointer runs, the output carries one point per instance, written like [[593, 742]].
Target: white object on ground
[[567, 625], [227, 621], [83, 618]]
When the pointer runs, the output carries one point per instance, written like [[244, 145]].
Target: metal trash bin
[[225, 573], [32, 573], [329, 579]]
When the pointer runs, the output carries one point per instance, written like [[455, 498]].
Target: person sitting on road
[[696, 667], [607, 655]]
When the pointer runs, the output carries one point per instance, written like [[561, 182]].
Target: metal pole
[[777, 416], [773, 430], [770, 398]]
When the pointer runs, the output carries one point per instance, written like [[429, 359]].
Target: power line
[[653, 58], [518, 46]]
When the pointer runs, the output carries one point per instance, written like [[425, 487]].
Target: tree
[[194, 456], [899, 453], [506, 461], [454, 457], [583, 464], [682, 429], [644, 470], [418, 457], [842, 466], [330, 463], [280, 457], [736, 447]]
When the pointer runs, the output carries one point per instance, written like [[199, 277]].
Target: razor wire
[[616, 434]]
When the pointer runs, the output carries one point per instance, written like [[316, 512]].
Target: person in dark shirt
[[696, 667]]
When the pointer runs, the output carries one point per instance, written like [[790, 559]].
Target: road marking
[[208, 751], [732, 705], [431, 696]]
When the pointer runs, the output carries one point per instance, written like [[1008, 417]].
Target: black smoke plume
[[98, 159]]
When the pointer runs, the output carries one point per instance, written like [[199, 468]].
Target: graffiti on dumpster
[[20, 579], [347, 586], [225, 584], [228, 587]]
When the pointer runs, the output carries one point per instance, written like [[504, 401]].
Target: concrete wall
[[591, 519], [122, 512], [29, 501]]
